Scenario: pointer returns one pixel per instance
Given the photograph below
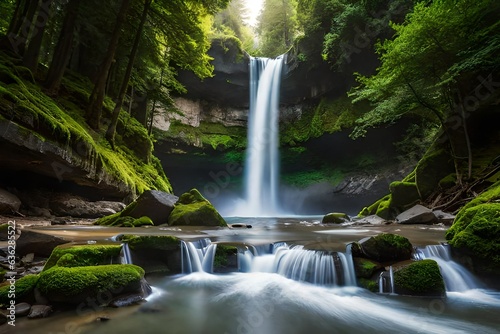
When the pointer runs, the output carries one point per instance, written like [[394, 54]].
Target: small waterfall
[[391, 279], [125, 256], [197, 255], [456, 277], [262, 158], [297, 263], [386, 281]]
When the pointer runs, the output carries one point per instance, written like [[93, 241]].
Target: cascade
[[125, 256], [456, 277], [262, 159], [197, 255]]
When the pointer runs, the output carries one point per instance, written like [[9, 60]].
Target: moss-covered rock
[[404, 194], [380, 208], [368, 284], [436, 164], [421, 278], [83, 255], [193, 209], [365, 268], [158, 242], [335, 218], [476, 232], [101, 283], [24, 288], [225, 256], [384, 247]]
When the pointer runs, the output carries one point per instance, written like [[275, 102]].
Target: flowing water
[[281, 286], [262, 159]]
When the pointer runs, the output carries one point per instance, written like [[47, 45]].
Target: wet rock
[[418, 214], [69, 205], [22, 309], [192, 209], [444, 217], [127, 300], [365, 268], [9, 203], [335, 218], [38, 243], [420, 278], [154, 204], [28, 258], [371, 220], [40, 311], [384, 247]]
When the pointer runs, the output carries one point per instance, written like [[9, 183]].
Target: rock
[[38, 243], [24, 289], [192, 209], [69, 205], [372, 220], [83, 255], [335, 218], [384, 247], [22, 309], [365, 268], [404, 194], [154, 204], [126, 300], [420, 278], [9, 203], [444, 217], [418, 214], [39, 311], [28, 258], [3, 318], [101, 283]]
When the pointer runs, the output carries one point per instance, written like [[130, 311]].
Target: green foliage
[[83, 255], [420, 278], [24, 289], [6, 10]]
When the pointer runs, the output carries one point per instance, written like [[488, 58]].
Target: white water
[[456, 277], [262, 158], [197, 256], [125, 256]]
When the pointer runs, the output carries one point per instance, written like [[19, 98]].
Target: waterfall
[[299, 264], [197, 255], [125, 256], [456, 277], [262, 159]]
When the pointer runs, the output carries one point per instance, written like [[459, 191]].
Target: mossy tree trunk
[[96, 99], [110, 133], [64, 45]]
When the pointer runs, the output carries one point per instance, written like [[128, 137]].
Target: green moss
[[404, 194], [365, 268], [383, 208], [368, 284], [448, 181], [108, 220], [77, 283], [160, 242], [308, 177], [477, 230], [222, 254], [24, 288], [62, 121], [421, 278], [386, 247], [436, 164], [335, 218], [193, 209], [82, 255], [142, 221]]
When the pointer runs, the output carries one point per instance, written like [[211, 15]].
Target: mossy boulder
[[159, 242], [384, 247], [421, 278], [436, 164], [404, 194], [476, 232], [368, 284], [225, 259], [100, 283], [365, 268], [192, 209], [380, 208], [83, 255], [335, 218], [24, 290]]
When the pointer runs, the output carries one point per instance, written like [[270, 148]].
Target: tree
[[429, 64], [94, 109], [277, 27]]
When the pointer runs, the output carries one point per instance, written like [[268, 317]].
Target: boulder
[[39, 311], [38, 243], [71, 255], [192, 209], [154, 204], [9, 203], [127, 300], [371, 220], [365, 268], [22, 309], [384, 247], [68, 205], [95, 283], [444, 217], [420, 278], [335, 218], [418, 214]]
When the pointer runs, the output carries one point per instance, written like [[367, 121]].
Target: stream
[[262, 301]]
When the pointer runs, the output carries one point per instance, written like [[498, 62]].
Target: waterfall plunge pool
[[266, 302]]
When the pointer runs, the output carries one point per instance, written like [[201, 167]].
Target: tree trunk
[[110, 134], [62, 52], [32, 53], [21, 28], [17, 17], [94, 109]]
